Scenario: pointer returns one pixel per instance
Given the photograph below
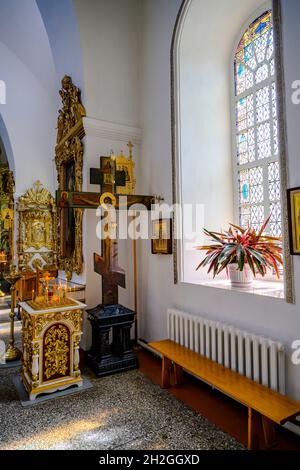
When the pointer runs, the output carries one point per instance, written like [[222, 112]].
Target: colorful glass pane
[[257, 127], [255, 47]]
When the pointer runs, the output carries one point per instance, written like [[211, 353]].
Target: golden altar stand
[[51, 337]]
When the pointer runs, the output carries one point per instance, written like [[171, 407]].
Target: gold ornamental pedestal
[[12, 353], [51, 337]]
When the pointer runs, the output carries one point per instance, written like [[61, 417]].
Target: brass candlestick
[[12, 353]]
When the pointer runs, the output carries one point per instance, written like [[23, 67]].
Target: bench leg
[[254, 425], [166, 373], [269, 431], [178, 375]]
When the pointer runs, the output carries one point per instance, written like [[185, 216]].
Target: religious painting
[[6, 227], [108, 168], [6, 212], [69, 163], [7, 217], [126, 165], [37, 229], [294, 220], [161, 240]]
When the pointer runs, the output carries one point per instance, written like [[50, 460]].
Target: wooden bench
[[265, 407]]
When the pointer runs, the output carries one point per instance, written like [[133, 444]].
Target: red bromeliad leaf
[[240, 229], [262, 229]]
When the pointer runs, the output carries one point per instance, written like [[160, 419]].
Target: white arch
[[5, 141]]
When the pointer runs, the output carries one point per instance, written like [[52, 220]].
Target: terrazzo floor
[[124, 411]]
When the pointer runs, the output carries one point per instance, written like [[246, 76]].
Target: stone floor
[[124, 411]]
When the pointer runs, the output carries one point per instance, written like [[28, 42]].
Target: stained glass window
[[256, 127]]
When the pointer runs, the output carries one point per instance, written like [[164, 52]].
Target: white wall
[[268, 316], [60, 21]]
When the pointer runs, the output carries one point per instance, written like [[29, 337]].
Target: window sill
[[260, 287]]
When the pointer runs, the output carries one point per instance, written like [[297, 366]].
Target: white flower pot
[[242, 279]]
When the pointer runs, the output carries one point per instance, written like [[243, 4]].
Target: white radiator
[[256, 357]]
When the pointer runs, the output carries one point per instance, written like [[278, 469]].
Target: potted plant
[[243, 253]]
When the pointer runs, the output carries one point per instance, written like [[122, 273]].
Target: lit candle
[[32, 294], [47, 295]]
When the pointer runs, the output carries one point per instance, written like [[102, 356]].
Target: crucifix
[[109, 179], [111, 349]]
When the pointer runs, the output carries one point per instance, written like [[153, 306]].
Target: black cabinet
[[111, 349]]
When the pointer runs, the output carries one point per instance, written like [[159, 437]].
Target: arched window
[[229, 139], [257, 175]]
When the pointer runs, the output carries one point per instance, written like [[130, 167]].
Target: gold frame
[[294, 220], [37, 229], [70, 152], [159, 244], [69, 148]]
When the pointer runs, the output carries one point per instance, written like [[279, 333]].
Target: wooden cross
[[107, 175], [109, 179]]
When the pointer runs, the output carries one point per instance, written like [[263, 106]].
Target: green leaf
[[259, 266], [240, 254], [258, 256], [250, 262]]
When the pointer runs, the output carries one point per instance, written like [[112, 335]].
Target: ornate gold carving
[[69, 163], [36, 198], [27, 337], [37, 243], [73, 315], [72, 110], [7, 184], [57, 351], [40, 321]]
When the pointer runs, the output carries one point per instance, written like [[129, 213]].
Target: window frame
[[275, 6], [265, 161]]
